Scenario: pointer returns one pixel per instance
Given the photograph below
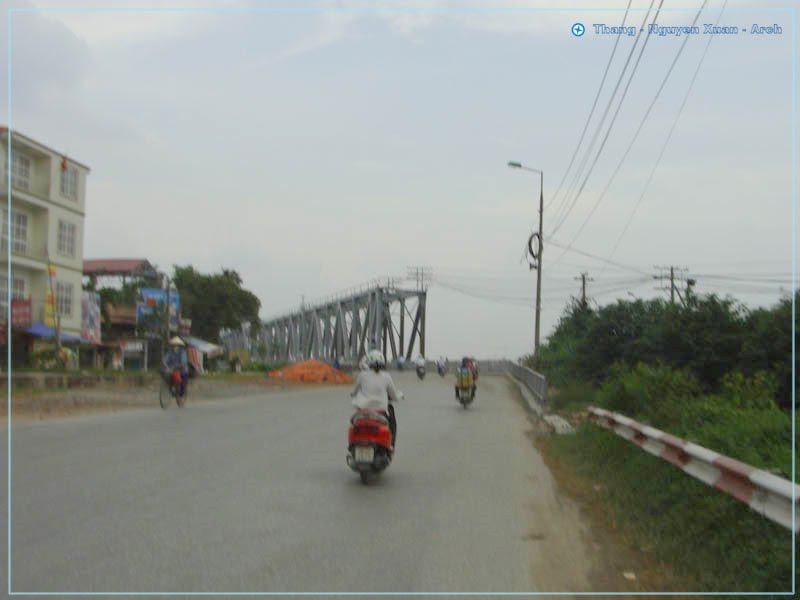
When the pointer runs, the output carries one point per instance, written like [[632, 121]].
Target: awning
[[207, 348], [41, 330]]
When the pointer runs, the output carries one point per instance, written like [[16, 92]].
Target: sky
[[318, 147]]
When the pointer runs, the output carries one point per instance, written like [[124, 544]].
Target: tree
[[215, 301]]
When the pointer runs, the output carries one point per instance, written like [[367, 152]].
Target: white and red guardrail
[[765, 493]]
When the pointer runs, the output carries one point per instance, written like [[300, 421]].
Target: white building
[[48, 207]]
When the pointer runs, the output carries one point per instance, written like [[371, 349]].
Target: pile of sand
[[311, 371]]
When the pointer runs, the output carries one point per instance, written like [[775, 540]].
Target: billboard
[[151, 297], [90, 317], [21, 313]]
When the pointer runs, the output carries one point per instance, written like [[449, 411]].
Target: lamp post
[[538, 256]]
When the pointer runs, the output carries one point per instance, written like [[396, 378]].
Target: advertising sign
[[149, 298], [21, 313], [90, 317], [50, 308]]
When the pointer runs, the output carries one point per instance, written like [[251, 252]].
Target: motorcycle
[[421, 372], [369, 443], [170, 388], [465, 387], [441, 369]]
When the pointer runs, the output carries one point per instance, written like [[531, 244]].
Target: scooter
[[421, 372], [369, 444], [465, 387]]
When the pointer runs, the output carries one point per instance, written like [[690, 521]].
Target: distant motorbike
[[421, 372], [170, 388], [369, 444], [441, 370], [465, 387]]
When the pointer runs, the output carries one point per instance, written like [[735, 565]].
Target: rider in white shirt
[[375, 390], [420, 362]]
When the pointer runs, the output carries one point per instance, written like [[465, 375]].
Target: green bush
[[571, 397], [647, 391]]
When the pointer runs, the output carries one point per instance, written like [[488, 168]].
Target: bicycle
[[167, 391]]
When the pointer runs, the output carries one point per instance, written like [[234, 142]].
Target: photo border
[[373, 9]]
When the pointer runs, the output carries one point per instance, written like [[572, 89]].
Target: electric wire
[[646, 115], [668, 138], [591, 112], [588, 174]]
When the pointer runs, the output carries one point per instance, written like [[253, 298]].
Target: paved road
[[253, 494]]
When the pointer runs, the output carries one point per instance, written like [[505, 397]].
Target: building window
[[20, 170], [17, 291], [66, 239], [64, 298], [19, 232], [17, 288], [69, 183]]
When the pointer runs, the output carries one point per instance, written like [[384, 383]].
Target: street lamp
[[538, 256]]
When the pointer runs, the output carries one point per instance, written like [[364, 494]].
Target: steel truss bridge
[[379, 315]]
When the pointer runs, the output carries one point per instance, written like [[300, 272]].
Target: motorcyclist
[[375, 390], [468, 363], [176, 358], [441, 364], [401, 362], [419, 363]]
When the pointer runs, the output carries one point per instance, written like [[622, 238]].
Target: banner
[[21, 313], [49, 308], [90, 317], [151, 297]]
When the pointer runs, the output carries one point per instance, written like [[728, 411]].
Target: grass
[[711, 541]]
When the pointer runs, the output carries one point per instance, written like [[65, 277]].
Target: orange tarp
[[311, 371]]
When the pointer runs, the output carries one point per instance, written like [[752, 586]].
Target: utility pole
[[583, 279], [675, 274], [166, 318], [419, 274]]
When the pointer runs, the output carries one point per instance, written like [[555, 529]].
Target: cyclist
[[176, 358]]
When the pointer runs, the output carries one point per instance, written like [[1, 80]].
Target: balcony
[[30, 256]]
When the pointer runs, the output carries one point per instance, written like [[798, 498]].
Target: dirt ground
[[619, 565], [36, 404]]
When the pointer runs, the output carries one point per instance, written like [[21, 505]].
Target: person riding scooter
[[375, 390], [468, 363], [441, 365]]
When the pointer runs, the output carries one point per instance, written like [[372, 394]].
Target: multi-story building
[[48, 207]]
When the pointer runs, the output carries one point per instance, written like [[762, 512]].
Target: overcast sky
[[316, 149]]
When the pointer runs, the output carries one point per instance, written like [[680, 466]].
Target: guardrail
[[535, 382], [767, 494]]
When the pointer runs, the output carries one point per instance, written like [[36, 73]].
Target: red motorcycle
[[171, 388], [369, 443]]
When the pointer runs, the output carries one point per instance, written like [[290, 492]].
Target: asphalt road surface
[[253, 494]]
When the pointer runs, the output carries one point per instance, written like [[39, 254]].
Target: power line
[[600, 258], [638, 131], [576, 177], [563, 219], [668, 138], [594, 106]]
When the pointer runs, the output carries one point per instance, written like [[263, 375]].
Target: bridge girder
[[345, 328]]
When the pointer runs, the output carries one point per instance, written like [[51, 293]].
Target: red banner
[[21, 313]]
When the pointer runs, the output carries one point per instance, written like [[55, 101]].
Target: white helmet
[[375, 359]]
